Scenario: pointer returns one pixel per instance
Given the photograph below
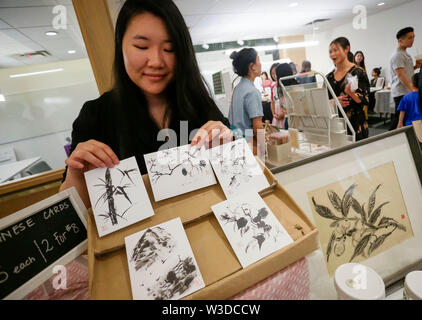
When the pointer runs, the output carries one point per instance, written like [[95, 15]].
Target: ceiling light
[[71, 52], [205, 46], [2, 98], [240, 42], [316, 28], [34, 73], [381, 4], [294, 4], [51, 33]]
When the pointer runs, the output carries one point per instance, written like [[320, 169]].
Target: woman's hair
[[242, 60], [377, 71], [306, 66], [284, 70], [362, 64], [188, 96], [266, 74], [275, 65], [293, 67], [344, 43]]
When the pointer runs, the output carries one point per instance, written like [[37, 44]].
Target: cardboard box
[[220, 269]]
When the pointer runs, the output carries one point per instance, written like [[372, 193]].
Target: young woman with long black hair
[[353, 102], [359, 59], [157, 86]]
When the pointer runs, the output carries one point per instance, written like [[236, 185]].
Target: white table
[[384, 102], [8, 171]]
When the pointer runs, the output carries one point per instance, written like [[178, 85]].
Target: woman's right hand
[[344, 101], [90, 155]]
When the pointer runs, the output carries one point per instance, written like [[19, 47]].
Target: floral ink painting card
[[360, 216], [179, 170], [118, 196], [253, 231], [161, 263], [236, 169]]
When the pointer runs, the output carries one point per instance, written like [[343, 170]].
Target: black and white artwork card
[[178, 170], [236, 169], [254, 232], [161, 263], [118, 196]]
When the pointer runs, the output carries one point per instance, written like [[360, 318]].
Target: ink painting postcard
[[178, 170], [161, 263], [251, 228], [236, 169], [118, 196]]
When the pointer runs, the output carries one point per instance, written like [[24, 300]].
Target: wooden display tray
[[220, 269]]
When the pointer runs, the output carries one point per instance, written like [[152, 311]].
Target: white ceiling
[[23, 23], [213, 21]]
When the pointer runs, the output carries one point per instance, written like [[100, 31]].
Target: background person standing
[[402, 70]]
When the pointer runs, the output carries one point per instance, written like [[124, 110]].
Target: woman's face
[[359, 58], [337, 53], [148, 54], [374, 74], [273, 74], [255, 69]]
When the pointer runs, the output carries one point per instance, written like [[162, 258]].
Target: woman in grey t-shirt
[[246, 111]]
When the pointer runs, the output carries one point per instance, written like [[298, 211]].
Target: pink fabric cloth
[[291, 283], [77, 285]]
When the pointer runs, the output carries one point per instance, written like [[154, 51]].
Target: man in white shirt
[[402, 70]]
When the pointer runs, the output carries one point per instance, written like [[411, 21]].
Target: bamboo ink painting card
[[253, 231], [118, 196], [178, 170], [161, 263], [237, 169]]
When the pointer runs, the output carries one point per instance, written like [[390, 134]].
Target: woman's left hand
[[211, 131]]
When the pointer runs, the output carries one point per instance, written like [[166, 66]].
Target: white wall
[[377, 42], [39, 110]]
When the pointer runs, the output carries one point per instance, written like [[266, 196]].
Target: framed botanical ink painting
[[366, 200]]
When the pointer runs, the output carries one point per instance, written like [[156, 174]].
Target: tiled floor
[[377, 125]]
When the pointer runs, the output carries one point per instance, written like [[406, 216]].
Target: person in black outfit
[[376, 72], [158, 89], [352, 101]]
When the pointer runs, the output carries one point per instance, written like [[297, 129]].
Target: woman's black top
[[354, 111], [104, 120]]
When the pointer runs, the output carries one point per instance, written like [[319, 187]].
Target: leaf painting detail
[[377, 213], [335, 200], [324, 211], [361, 246], [367, 235], [372, 198], [347, 200], [330, 245]]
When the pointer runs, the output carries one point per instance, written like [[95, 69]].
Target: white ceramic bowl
[[354, 281], [413, 286]]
